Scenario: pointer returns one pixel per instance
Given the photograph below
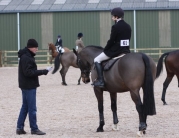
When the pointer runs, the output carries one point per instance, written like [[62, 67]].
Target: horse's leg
[[139, 107], [79, 80], [51, 58], [114, 110], [63, 72], [165, 86], [99, 96]]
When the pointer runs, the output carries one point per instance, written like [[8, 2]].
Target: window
[[93, 1], [150, 0], [59, 1], [37, 1], [113, 1], [5, 2]]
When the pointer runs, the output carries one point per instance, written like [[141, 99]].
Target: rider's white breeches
[[101, 57]]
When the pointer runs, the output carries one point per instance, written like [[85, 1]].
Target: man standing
[[28, 83]]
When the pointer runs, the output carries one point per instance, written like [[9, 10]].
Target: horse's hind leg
[[114, 110], [139, 107], [99, 96], [165, 86], [63, 72]]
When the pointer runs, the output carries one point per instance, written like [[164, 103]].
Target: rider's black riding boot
[[60, 52], [100, 80]]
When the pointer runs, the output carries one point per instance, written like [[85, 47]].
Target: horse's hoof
[[115, 127], [165, 103], [141, 133], [99, 130], [64, 84], [78, 84]]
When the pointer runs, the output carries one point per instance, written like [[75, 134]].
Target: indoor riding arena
[[71, 111]]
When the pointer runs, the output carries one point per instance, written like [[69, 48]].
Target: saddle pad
[[109, 63]]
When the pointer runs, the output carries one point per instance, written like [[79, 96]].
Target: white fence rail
[[9, 58]]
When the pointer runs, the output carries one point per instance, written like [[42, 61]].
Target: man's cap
[[32, 43]]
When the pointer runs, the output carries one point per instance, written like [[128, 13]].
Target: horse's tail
[[148, 88], [160, 64], [56, 63]]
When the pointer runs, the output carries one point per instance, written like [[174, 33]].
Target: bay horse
[[172, 68], [130, 73], [53, 51], [66, 59]]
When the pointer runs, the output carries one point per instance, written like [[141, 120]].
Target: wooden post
[[160, 52], [5, 58], [48, 58], [0, 58]]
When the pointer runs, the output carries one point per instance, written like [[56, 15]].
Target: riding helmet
[[80, 35], [117, 12]]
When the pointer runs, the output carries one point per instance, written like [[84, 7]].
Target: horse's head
[[49, 48], [84, 67]]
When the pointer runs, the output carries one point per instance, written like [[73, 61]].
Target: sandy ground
[[71, 111]]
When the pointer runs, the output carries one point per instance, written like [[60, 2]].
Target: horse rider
[[117, 44], [79, 43], [58, 44]]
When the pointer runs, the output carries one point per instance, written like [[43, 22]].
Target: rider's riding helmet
[[117, 12], [80, 35]]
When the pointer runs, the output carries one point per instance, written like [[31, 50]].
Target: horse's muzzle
[[85, 80]]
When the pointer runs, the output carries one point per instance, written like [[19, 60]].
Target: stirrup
[[97, 83]]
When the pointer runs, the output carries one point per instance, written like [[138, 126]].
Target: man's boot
[[100, 80]]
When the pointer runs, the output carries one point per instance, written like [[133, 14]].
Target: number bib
[[76, 47], [124, 42]]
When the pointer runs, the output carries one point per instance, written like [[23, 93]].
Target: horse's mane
[[51, 46], [98, 47]]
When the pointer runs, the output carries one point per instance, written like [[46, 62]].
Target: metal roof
[[84, 5]]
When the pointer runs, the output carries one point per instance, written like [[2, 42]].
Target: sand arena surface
[[71, 111]]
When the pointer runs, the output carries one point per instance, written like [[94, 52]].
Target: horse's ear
[[74, 51]]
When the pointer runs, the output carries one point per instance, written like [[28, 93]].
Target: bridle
[[52, 50], [85, 71]]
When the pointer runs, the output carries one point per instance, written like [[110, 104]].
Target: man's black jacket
[[27, 71]]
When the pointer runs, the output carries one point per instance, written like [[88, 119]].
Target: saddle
[[60, 49], [107, 64]]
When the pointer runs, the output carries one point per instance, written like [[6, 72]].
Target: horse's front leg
[[99, 96], [79, 80], [63, 72], [139, 107], [114, 110]]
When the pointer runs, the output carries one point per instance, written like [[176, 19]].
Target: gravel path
[[71, 111]]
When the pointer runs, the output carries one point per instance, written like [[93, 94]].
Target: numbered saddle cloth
[[107, 64], [60, 49]]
